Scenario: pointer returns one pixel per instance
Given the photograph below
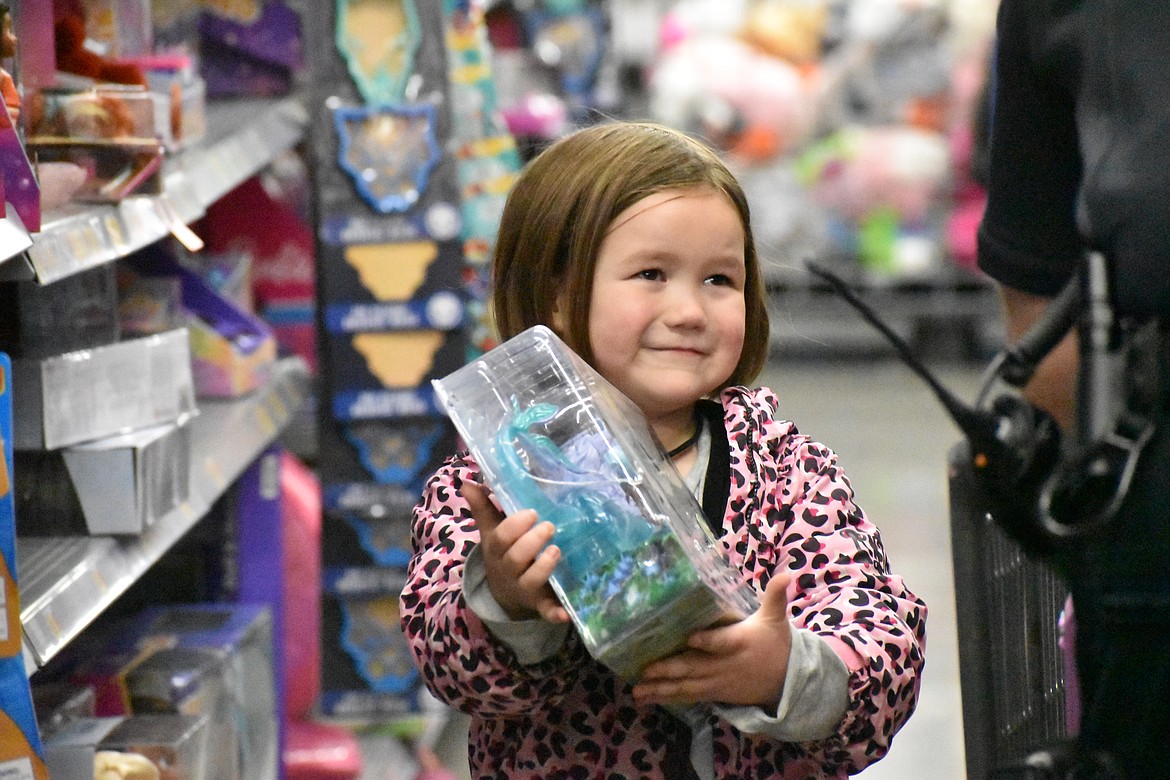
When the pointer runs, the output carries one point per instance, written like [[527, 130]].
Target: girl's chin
[[662, 402]]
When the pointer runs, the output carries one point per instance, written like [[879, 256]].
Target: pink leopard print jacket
[[790, 506]]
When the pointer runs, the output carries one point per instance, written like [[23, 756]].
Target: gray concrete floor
[[892, 438]]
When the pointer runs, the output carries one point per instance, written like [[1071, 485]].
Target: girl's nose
[[685, 307]]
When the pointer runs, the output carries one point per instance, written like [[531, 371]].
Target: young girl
[[633, 242]]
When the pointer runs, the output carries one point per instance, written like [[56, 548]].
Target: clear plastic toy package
[[640, 570]]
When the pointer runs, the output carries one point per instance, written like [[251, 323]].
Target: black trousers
[[1120, 582]]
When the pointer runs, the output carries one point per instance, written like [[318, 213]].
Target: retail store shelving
[[14, 242], [243, 137], [66, 583], [950, 312]]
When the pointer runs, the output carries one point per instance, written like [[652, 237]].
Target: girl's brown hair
[[560, 210]]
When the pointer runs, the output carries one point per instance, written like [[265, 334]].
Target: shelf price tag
[[264, 419], [178, 228], [215, 472], [117, 233]]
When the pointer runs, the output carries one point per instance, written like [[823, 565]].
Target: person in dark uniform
[[1080, 161]]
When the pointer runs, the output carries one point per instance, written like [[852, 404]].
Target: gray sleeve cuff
[[814, 700], [532, 641]]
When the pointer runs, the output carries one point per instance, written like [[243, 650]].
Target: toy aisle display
[[852, 127], [160, 345], [412, 163], [850, 122], [390, 263]]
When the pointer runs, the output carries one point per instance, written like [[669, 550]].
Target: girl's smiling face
[[667, 317]]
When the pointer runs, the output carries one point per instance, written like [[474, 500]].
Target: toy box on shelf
[[89, 394], [78, 312], [21, 751], [232, 351], [18, 181], [119, 484], [148, 746], [640, 569], [127, 482], [280, 249], [212, 660], [116, 134], [174, 82], [249, 48]]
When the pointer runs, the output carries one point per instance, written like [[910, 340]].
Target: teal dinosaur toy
[[614, 561]]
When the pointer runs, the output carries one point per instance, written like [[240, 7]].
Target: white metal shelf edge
[[67, 582], [14, 239]]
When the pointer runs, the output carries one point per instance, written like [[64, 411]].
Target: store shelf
[[14, 241], [951, 312], [245, 136], [66, 583]]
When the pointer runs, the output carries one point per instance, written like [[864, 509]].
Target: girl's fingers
[[495, 530], [518, 537], [530, 537], [552, 611], [670, 692], [517, 548], [487, 517], [540, 568]]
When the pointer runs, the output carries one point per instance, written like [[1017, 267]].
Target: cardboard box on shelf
[[232, 351], [21, 749], [89, 394], [211, 660], [126, 482], [118, 485], [171, 745], [77, 312]]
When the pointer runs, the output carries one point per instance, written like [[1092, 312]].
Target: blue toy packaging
[[640, 570]]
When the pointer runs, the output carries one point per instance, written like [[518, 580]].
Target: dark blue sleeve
[[1028, 238]]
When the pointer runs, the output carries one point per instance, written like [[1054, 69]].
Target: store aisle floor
[[892, 438]]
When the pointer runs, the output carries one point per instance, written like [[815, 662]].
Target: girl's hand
[[516, 567], [742, 663]]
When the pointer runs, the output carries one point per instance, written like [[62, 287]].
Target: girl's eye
[[650, 274], [722, 280]]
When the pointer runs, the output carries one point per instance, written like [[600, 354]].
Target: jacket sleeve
[[462, 663], [842, 589]]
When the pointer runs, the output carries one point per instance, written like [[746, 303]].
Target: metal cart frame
[[1008, 606]]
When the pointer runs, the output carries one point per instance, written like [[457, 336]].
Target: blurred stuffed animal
[[115, 765], [745, 101], [74, 57], [883, 187], [859, 169], [792, 30]]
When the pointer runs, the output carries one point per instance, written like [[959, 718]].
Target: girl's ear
[[560, 314]]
